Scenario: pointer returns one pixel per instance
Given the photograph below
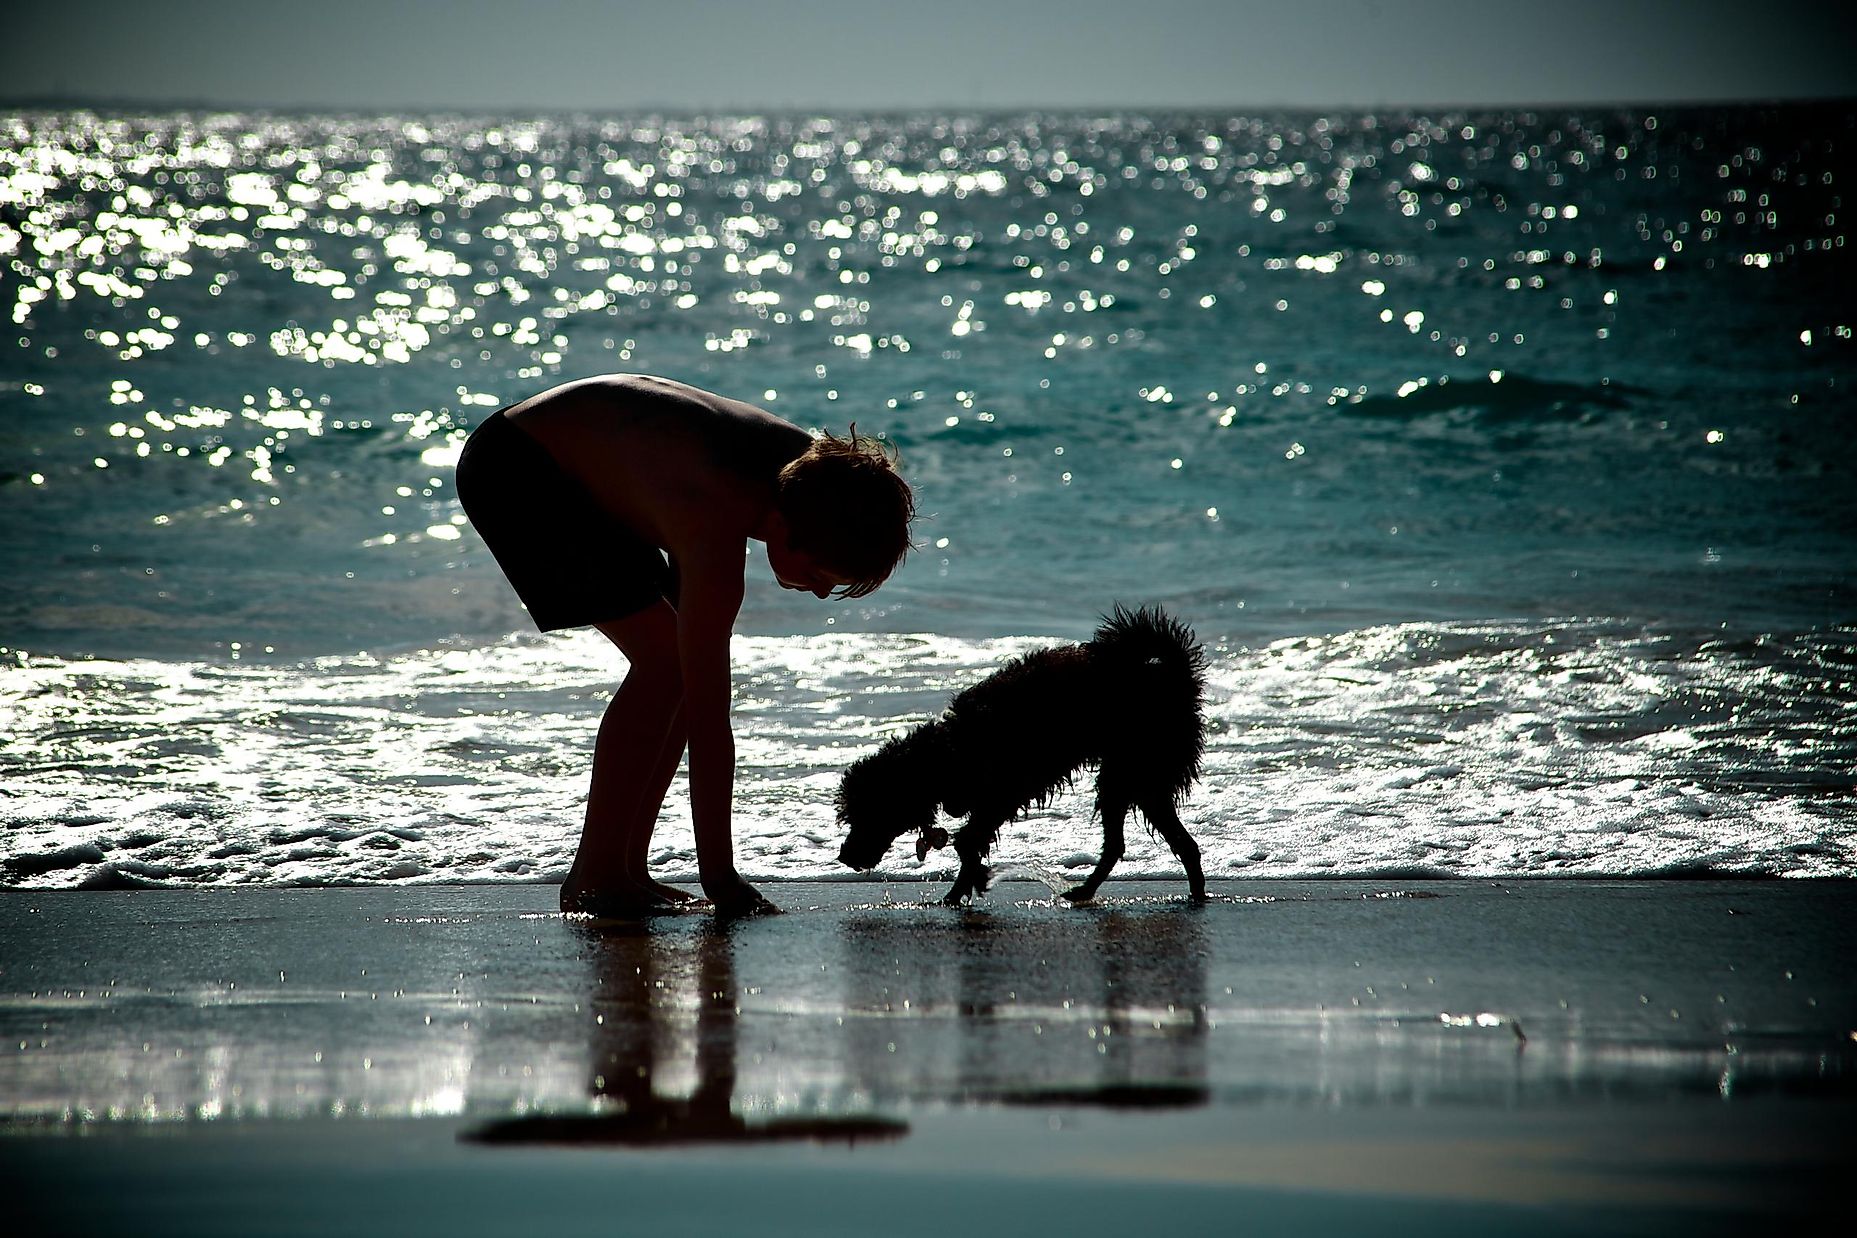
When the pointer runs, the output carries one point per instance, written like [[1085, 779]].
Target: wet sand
[[1628, 1057]]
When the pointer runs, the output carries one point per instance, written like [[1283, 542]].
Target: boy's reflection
[[1001, 1008], [645, 981]]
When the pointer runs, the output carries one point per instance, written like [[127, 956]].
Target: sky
[[747, 55]]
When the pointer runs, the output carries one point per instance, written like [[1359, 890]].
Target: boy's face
[[797, 570]]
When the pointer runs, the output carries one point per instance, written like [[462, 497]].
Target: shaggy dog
[[1128, 703]]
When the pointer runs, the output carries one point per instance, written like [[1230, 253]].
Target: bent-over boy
[[625, 503]]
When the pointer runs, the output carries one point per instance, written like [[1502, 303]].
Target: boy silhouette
[[625, 503]]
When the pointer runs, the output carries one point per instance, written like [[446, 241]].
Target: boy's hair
[[848, 507]]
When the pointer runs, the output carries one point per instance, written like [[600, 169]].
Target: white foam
[[1472, 750]]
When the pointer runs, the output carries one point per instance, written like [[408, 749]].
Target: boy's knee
[[650, 633], [648, 641]]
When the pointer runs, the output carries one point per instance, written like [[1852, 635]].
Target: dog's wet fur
[[1128, 702]]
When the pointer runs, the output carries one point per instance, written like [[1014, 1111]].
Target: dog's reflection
[[660, 998], [1110, 1012]]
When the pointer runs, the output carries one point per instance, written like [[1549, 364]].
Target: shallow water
[[1495, 750], [1498, 458]]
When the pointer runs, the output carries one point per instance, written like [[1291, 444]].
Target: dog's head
[[887, 794]]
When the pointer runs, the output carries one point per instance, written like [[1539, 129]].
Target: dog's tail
[[1157, 673], [1148, 637]]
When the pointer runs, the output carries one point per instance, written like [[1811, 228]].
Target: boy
[[582, 493]]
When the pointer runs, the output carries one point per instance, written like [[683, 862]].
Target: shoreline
[[117, 882]]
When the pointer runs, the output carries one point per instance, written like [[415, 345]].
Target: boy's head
[[847, 508]]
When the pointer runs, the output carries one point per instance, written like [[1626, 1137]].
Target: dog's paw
[[932, 838], [1078, 895]]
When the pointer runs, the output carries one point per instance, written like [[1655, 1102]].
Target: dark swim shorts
[[571, 561]]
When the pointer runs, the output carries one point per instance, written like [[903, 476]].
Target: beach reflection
[[1105, 1008], [1102, 1008], [663, 1052]]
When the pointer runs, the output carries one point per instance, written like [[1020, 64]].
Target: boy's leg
[[643, 818], [638, 739], [638, 830]]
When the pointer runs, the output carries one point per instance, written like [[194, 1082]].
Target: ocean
[[1494, 456]]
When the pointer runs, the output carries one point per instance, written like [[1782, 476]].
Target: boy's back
[[685, 468]]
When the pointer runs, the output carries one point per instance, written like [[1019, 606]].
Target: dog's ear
[[860, 786], [940, 759], [893, 789]]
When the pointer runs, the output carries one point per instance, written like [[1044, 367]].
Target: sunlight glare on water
[[1497, 456]]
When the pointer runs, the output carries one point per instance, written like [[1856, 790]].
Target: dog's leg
[[1161, 815], [972, 843], [1114, 813]]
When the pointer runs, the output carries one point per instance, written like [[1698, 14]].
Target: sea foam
[[1492, 750]]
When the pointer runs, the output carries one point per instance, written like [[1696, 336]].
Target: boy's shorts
[[571, 561]]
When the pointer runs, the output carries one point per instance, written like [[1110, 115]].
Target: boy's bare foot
[[670, 892], [737, 898], [608, 906], [623, 898]]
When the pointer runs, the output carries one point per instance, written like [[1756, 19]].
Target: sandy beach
[[1618, 1057]]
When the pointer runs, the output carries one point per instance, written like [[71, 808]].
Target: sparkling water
[[1501, 460]]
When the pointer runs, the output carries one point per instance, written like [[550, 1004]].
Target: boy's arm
[[709, 598]]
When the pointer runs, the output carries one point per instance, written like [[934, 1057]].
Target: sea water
[[1501, 460]]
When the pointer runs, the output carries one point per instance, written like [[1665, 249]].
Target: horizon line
[[54, 101]]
